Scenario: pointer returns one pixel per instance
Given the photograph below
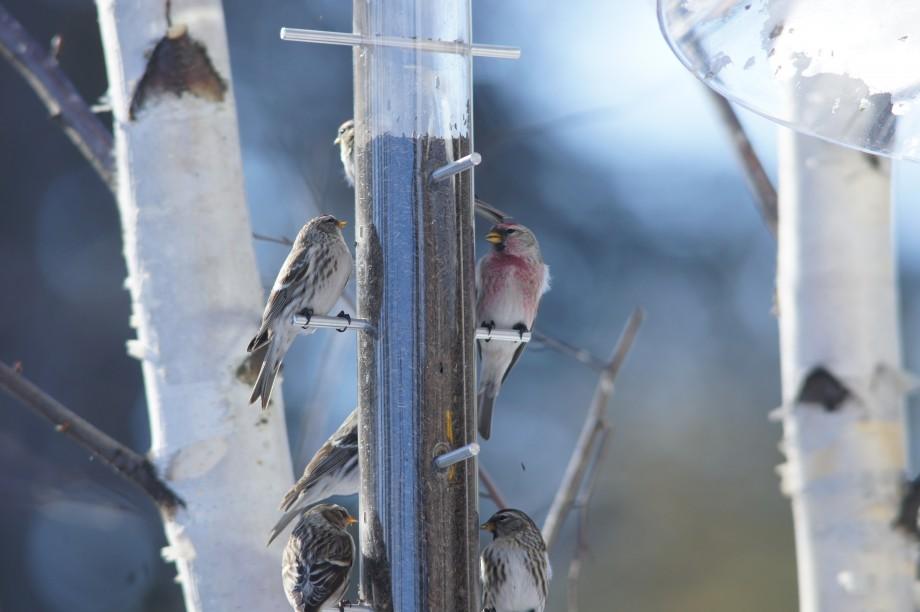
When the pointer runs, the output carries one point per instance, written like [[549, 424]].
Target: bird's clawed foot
[[489, 325], [521, 329], [308, 313], [343, 315]]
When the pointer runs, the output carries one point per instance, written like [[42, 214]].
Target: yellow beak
[[351, 520], [495, 238], [341, 224], [488, 526]]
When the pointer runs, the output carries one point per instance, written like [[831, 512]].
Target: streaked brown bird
[[318, 558], [345, 138], [333, 470], [310, 282], [515, 566]]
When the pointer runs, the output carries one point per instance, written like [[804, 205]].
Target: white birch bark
[[838, 309], [196, 302]]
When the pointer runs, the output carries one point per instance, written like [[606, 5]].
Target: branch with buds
[[39, 67]]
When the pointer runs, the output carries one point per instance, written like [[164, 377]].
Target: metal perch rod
[[457, 455], [437, 46], [503, 335], [455, 167], [333, 322]]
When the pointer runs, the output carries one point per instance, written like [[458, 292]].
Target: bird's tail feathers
[[290, 498], [266, 380], [486, 402], [283, 522]]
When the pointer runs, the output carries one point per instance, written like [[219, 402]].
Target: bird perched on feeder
[[346, 141], [510, 280], [333, 470], [317, 559], [310, 282], [515, 566]]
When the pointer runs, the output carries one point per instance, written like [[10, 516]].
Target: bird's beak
[[337, 140], [495, 238], [341, 224], [488, 526], [351, 520]]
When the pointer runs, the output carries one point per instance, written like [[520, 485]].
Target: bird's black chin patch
[[500, 246]]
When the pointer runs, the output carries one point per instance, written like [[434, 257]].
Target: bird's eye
[[510, 231]]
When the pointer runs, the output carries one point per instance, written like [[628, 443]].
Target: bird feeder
[[846, 72]]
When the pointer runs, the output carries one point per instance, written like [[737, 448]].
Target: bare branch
[[131, 465], [41, 71], [757, 179], [582, 502], [492, 487], [284, 240], [581, 455], [570, 350]]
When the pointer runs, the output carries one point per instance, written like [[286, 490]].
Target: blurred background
[[601, 142]]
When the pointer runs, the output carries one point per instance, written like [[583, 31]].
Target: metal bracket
[[455, 167], [502, 335], [337, 323], [436, 46], [457, 455]]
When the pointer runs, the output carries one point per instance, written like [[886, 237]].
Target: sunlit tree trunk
[[196, 296], [844, 431]]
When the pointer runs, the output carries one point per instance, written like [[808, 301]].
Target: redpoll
[[332, 471], [317, 559], [346, 141], [515, 566], [310, 282], [510, 281]]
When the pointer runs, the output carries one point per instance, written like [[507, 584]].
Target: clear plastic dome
[[848, 72]]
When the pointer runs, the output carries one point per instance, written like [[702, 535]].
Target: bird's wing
[[545, 286], [320, 582], [295, 269], [517, 355], [343, 448], [322, 579]]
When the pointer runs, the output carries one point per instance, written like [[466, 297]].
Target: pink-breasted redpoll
[[318, 558], [333, 470], [310, 282], [514, 567], [510, 280]]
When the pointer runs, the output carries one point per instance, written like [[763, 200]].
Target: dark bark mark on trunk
[[177, 65]]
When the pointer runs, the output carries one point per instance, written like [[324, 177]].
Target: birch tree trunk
[[196, 296], [843, 425]]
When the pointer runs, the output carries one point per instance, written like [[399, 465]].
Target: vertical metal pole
[[415, 273]]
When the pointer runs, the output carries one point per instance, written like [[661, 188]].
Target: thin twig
[[582, 504], [491, 486], [41, 71], [133, 466], [578, 354], [277, 240], [581, 455], [757, 179]]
